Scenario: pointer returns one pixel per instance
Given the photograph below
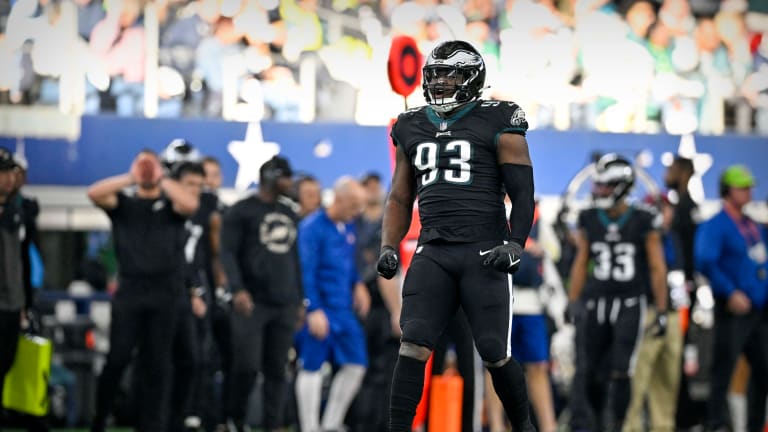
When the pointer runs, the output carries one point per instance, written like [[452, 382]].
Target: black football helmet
[[612, 181], [453, 75], [178, 151]]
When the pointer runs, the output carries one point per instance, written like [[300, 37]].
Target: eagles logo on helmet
[[454, 74], [612, 181], [178, 152]]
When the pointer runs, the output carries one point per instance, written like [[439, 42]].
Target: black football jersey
[[197, 247], [459, 187], [618, 260]]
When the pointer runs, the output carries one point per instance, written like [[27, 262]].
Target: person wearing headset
[[729, 249]]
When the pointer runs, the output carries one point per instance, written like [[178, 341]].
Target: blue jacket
[[327, 254], [721, 254]]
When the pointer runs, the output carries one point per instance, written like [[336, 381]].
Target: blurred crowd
[[610, 65]]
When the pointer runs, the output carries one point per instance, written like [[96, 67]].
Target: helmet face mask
[[612, 182], [454, 74]]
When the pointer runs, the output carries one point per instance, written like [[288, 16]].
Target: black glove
[[388, 261], [658, 327], [504, 258], [573, 312]]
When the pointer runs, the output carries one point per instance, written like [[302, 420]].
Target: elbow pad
[[518, 182]]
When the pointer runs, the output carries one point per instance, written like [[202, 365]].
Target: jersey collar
[[443, 123], [606, 220]]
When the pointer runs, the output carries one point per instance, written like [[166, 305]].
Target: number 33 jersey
[[618, 259], [458, 184]]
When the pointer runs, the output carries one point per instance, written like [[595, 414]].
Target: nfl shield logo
[[443, 126]]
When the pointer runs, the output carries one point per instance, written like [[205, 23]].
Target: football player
[[619, 255], [458, 154]]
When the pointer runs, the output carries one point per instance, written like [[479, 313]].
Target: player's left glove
[[505, 258], [659, 326]]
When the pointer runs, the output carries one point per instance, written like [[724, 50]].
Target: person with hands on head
[[335, 296], [458, 154], [260, 256], [729, 249], [148, 211], [619, 256]]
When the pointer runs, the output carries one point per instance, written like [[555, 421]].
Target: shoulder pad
[[511, 114]]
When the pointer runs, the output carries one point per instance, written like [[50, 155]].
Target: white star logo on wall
[[250, 154], [702, 162]]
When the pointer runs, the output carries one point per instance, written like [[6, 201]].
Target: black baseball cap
[[277, 167], [6, 159]]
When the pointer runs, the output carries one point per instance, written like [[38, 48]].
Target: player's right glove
[[388, 261]]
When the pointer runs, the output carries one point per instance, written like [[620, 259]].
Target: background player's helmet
[[178, 151], [612, 181], [454, 59]]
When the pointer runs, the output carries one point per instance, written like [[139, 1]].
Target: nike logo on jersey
[[439, 134], [483, 253]]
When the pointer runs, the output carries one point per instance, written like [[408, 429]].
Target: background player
[[619, 246]]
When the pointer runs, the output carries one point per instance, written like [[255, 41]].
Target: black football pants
[[262, 340], [143, 315]]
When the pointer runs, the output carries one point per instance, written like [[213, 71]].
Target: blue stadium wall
[[107, 145]]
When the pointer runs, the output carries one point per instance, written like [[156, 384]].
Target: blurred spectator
[[717, 73], [282, 94], [213, 177], [220, 52], [730, 251], [119, 41], [11, 284], [755, 88], [30, 245], [89, 13], [260, 256], [309, 194], [148, 228], [535, 31], [304, 31], [676, 15], [617, 105], [382, 324], [676, 88], [334, 297]]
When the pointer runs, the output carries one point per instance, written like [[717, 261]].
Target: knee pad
[[492, 350], [416, 352], [417, 332]]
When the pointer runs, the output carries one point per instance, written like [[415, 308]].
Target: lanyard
[[747, 227]]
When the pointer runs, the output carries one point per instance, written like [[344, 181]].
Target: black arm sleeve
[[518, 181]]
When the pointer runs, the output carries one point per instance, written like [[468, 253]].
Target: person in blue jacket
[[730, 251], [334, 295]]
